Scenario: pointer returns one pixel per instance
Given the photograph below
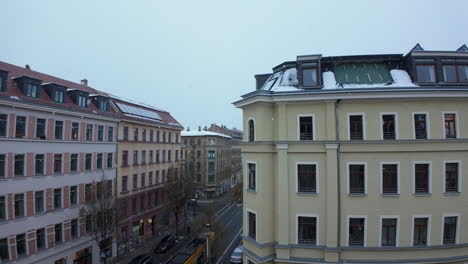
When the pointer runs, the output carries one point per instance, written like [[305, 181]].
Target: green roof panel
[[362, 73]]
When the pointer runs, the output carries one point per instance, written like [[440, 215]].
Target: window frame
[[77, 163], [457, 130], [457, 73], [397, 235], [459, 176], [61, 198], [77, 195], [26, 126], [71, 131], [44, 209], [45, 128], [429, 178], [317, 228], [43, 165], [382, 163], [348, 217], [428, 125], [298, 119], [434, 65], [25, 209], [395, 114], [248, 210], [364, 124], [457, 231], [316, 163], [61, 163], [7, 125], [55, 129], [429, 222], [348, 177], [247, 176], [254, 130], [14, 164]]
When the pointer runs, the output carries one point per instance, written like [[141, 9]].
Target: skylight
[[137, 111]]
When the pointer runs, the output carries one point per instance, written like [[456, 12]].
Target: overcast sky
[[194, 58]]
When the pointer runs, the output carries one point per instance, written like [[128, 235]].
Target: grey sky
[[193, 58]]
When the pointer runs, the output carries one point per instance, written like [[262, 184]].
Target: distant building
[[358, 159], [208, 161]]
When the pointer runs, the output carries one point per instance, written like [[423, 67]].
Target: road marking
[[230, 245], [222, 209], [225, 211]]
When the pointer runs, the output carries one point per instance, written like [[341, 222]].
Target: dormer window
[[426, 73], [82, 101], [310, 77], [59, 95], [29, 86], [308, 67], [455, 73], [32, 90], [3, 78], [103, 104]]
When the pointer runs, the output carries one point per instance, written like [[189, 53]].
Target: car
[[192, 202], [142, 259], [165, 244], [236, 256]]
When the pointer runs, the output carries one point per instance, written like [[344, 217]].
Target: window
[[390, 178], [88, 223], [82, 101], [88, 192], [455, 73], [20, 127], [157, 177], [143, 179], [426, 73], [135, 157], [150, 156], [143, 134], [3, 78], [125, 133], [157, 156], [75, 130], [2, 166], [73, 195], [420, 126], [252, 222], [99, 190], [58, 163], [310, 77], [59, 96], [251, 130], [58, 233], [164, 136], [164, 156], [251, 167], [306, 129], [389, 232], [2, 208], [19, 165], [89, 132], [357, 183], [450, 230], [307, 230], [58, 129], [163, 176], [450, 125], [4, 255], [177, 155], [19, 205], [152, 135], [40, 238], [124, 183], [103, 105], [39, 165], [21, 245], [39, 202], [135, 181], [134, 205], [109, 160], [169, 137], [388, 126], [88, 160], [135, 134], [150, 178], [3, 125], [57, 198], [73, 162], [32, 90], [356, 130], [100, 134], [198, 153], [99, 161], [169, 156], [40, 128], [451, 176], [143, 156], [421, 180], [74, 228], [420, 228], [110, 134], [307, 178], [356, 232], [125, 158], [157, 136]]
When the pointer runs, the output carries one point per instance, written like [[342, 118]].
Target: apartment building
[[57, 138], [149, 147], [358, 159], [208, 161]]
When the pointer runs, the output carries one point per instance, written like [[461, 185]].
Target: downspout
[[337, 133]]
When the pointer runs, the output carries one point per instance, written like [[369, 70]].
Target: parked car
[[165, 244], [236, 256], [142, 259], [192, 202]]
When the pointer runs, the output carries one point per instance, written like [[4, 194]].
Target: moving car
[[142, 259], [165, 244], [236, 256]]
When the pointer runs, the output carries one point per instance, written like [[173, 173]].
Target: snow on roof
[[400, 77], [282, 81], [196, 133], [135, 102]]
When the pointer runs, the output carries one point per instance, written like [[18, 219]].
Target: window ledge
[[357, 194], [307, 194], [390, 195], [422, 194], [125, 166], [452, 193], [251, 190]]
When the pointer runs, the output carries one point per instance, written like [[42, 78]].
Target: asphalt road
[[232, 219]]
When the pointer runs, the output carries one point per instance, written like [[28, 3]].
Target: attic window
[[310, 74], [3, 78], [59, 95], [103, 105], [32, 89], [426, 73], [82, 100]]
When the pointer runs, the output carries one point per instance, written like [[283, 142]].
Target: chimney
[[199, 128], [205, 128], [84, 82], [27, 67], [188, 128]]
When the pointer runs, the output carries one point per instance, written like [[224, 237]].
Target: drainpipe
[[337, 133]]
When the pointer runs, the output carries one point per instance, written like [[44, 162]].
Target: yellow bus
[[193, 253]]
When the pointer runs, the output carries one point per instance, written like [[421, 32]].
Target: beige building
[[358, 159]]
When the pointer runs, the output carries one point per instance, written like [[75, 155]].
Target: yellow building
[[358, 159]]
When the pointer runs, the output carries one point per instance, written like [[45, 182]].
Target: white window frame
[[396, 124], [44, 192], [7, 216], [77, 195], [397, 236], [247, 211], [317, 227], [430, 177], [398, 176], [317, 170], [348, 176], [79, 132], [7, 132], [62, 169], [26, 126], [25, 207], [5, 172], [365, 228], [62, 205], [457, 130], [428, 124], [247, 175], [248, 129], [459, 175], [25, 162], [63, 128], [428, 228], [77, 163], [45, 127], [457, 232], [44, 170], [298, 119], [364, 124]]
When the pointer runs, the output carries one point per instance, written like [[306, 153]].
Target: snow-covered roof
[[196, 133], [400, 77], [282, 81]]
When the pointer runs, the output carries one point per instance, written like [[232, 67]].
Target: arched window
[[251, 131]]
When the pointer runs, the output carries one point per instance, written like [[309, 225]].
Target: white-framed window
[[450, 124], [306, 127], [251, 130], [452, 176], [421, 230], [450, 229], [307, 177], [422, 177], [421, 125], [39, 164], [389, 177], [389, 125], [39, 202], [389, 230], [356, 126], [251, 175], [307, 229], [356, 234], [251, 220], [357, 177]]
